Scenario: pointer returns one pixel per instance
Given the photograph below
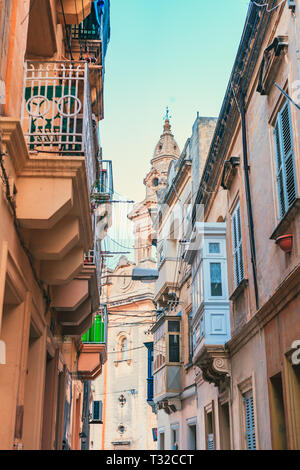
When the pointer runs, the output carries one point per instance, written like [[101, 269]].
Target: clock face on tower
[[124, 283]]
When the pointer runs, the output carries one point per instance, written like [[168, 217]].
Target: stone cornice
[[130, 300]]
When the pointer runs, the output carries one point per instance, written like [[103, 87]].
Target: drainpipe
[[248, 197]]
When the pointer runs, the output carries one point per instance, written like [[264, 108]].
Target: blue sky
[[163, 53]]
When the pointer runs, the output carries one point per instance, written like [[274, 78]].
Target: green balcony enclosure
[[97, 333]]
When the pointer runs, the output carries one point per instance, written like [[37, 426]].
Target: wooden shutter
[[210, 440], [249, 421], [97, 410], [285, 160], [237, 246]]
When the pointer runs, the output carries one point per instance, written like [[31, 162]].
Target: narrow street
[[149, 228]]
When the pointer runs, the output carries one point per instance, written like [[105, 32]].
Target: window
[[192, 434], [155, 182], [209, 428], [161, 441], [124, 349], [173, 333], [214, 248], [279, 434], [285, 160], [175, 436], [215, 280], [249, 420], [97, 411], [224, 419], [191, 348], [161, 254], [237, 247], [197, 288]]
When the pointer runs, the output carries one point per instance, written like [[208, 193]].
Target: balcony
[[167, 363], [76, 301], [57, 115], [150, 395], [211, 309], [93, 352], [150, 390], [93, 258], [86, 45], [97, 334], [104, 188], [165, 285]]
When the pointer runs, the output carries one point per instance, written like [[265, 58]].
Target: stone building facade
[[51, 99], [244, 256], [125, 386]]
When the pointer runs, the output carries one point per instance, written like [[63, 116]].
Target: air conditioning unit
[[97, 410]]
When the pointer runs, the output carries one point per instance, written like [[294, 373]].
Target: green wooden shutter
[[250, 421], [285, 160]]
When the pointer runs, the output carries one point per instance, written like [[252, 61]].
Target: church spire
[[167, 147]]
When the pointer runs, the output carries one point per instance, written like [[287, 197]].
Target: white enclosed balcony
[[167, 358], [167, 263], [211, 308]]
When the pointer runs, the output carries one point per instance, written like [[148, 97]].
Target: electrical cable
[[66, 30], [267, 5], [30, 10]]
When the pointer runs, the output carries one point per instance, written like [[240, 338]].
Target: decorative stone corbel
[[214, 362]]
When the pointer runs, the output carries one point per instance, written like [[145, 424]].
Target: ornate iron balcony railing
[[56, 114]]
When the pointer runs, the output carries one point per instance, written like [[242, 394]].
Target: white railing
[[56, 112]]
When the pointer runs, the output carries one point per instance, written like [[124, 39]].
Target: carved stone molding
[[214, 363], [272, 59]]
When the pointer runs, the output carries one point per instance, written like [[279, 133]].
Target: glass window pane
[[96, 410], [214, 248], [174, 348], [173, 326], [216, 279]]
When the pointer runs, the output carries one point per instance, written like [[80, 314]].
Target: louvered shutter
[[250, 421], [237, 245], [210, 439], [285, 160]]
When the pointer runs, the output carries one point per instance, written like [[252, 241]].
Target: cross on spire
[[167, 116]]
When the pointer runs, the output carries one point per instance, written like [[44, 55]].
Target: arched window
[[124, 349], [155, 181]]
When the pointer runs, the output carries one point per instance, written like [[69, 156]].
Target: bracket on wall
[[272, 59], [214, 362]]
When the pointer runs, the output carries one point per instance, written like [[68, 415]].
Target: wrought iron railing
[[97, 334], [90, 27], [56, 111]]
